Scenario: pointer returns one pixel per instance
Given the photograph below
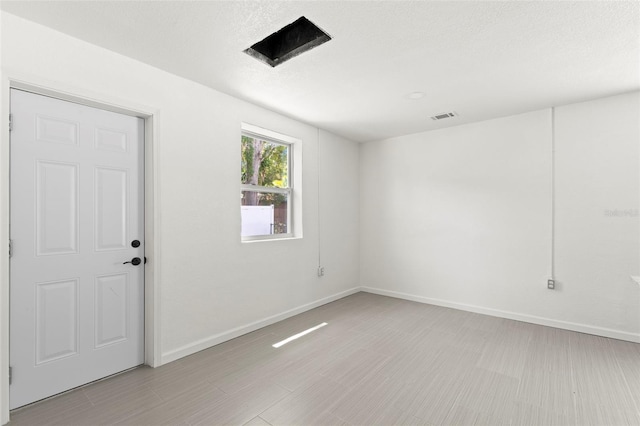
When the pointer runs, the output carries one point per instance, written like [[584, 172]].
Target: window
[[266, 185]]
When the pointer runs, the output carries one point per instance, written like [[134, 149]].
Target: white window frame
[[292, 145]]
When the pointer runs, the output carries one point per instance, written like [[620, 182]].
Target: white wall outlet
[[321, 271], [551, 284]]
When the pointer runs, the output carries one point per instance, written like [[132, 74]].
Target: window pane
[[264, 163], [264, 213]]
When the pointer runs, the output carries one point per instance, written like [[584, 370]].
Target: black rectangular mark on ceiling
[[444, 115], [290, 41]]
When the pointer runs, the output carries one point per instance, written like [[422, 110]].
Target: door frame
[[152, 347]]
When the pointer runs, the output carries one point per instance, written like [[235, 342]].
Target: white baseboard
[[582, 328], [248, 328]]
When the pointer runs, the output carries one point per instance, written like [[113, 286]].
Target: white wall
[[462, 217], [598, 223], [338, 222], [212, 286]]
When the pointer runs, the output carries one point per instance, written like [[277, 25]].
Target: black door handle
[[135, 261]]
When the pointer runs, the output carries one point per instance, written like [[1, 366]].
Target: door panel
[[56, 320], [77, 202], [111, 309], [110, 140], [56, 208], [56, 130], [111, 194]]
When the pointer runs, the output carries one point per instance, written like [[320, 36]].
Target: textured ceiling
[[480, 59]]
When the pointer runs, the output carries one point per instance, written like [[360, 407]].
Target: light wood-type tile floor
[[380, 361]]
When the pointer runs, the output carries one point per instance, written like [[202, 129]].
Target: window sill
[[264, 239]]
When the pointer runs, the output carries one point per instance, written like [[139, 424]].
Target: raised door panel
[[111, 211], [110, 140], [111, 309], [49, 129], [56, 208], [56, 320]]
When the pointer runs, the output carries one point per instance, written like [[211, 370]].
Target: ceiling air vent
[[290, 41], [444, 115]]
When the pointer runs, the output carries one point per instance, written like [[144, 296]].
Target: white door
[[77, 206]]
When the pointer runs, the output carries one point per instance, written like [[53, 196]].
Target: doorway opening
[[63, 330]]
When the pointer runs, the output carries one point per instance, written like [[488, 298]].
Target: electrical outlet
[[321, 271], [551, 284]]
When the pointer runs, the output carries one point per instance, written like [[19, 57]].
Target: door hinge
[[10, 122], [10, 248], [10, 374]]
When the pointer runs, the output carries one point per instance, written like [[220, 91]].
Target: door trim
[[152, 274]]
